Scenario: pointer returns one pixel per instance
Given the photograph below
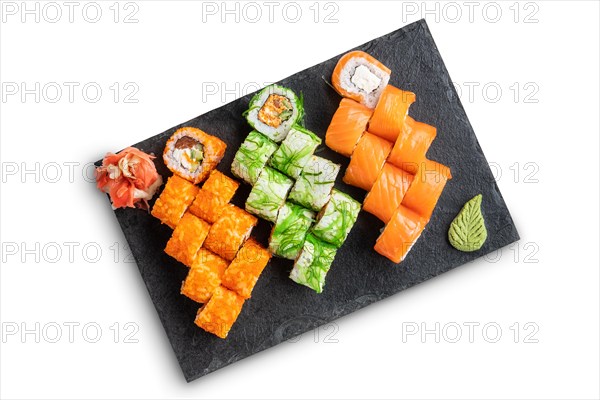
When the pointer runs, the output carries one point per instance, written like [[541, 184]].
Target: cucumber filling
[[189, 152]]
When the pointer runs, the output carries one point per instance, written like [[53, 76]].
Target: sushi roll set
[[292, 187], [387, 150], [210, 235]]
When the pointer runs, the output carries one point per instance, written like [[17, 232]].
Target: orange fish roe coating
[[219, 314], [204, 276], [227, 235], [213, 150], [221, 185], [207, 206], [187, 238], [174, 200], [246, 267]]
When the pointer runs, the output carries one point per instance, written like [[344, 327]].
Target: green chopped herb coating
[[314, 185], [268, 194], [252, 157], [313, 263], [337, 218], [295, 151], [289, 232], [279, 133]]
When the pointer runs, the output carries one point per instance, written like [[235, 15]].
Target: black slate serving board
[[280, 309]]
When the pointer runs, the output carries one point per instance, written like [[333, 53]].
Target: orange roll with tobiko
[[207, 206], [246, 267], [221, 185], [231, 230], [187, 238], [387, 192], [220, 313], [347, 126], [204, 276], [391, 111], [174, 200], [367, 161], [192, 153]]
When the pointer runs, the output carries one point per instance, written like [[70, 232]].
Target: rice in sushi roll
[[268, 194], [313, 263], [174, 200], [289, 232], [231, 230], [360, 77], [313, 187], [187, 238], [337, 218], [295, 151], [219, 314], [192, 153], [252, 157], [204, 276], [243, 272], [273, 111]]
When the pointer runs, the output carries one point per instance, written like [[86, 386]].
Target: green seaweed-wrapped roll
[[314, 185], [295, 151], [336, 219], [273, 111], [289, 232], [313, 263], [268, 194], [252, 157]]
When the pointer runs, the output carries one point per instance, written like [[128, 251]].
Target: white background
[[175, 58]]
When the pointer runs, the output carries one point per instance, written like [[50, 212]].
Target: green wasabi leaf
[[467, 232]]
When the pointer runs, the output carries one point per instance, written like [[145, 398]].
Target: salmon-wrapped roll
[[426, 188], [174, 200], [187, 238], [387, 192], [221, 185], [246, 267], [204, 276], [207, 206], [192, 153], [367, 161], [227, 235], [411, 145], [219, 314], [347, 126], [360, 77], [391, 111], [400, 234]]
